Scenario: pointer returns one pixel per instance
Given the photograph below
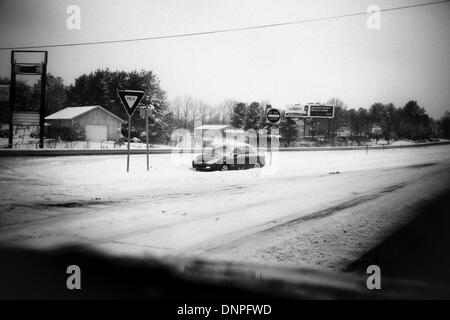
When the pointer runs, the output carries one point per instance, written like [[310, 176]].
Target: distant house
[[212, 133], [376, 130], [98, 123], [343, 132], [214, 127]]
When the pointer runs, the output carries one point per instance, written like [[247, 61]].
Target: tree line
[[407, 122], [99, 88]]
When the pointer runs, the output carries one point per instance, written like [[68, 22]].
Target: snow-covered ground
[[319, 209]]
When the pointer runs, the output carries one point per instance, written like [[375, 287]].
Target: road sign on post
[[273, 116], [130, 100], [146, 111], [27, 62]]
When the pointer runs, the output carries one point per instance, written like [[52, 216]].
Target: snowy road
[[318, 209]]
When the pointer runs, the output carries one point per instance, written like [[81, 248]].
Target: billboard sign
[[296, 111], [25, 118], [28, 68], [321, 111]]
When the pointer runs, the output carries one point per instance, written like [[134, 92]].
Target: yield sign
[[130, 99]]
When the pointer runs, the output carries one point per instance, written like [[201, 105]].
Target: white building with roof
[[98, 123]]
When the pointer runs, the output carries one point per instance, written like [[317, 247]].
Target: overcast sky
[[408, 58]]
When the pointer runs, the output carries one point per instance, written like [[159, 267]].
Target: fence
[[77, 145]]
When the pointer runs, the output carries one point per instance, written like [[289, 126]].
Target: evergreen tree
[[252, 116], [238, 115]]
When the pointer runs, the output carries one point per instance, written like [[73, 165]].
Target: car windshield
[[264, 155]]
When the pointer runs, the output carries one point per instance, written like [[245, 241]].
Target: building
[[376, 130], [98, 123], [344, 132], [208, 134]]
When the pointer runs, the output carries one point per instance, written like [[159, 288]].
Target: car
[[229, 156]]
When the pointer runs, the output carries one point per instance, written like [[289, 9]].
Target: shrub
[[4, 133], [75, 133]]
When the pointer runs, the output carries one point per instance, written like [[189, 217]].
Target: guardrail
[[87, 152]]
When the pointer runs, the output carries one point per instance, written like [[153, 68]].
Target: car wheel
[[257, 165], [224, 168]]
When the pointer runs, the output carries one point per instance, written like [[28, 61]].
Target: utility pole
[[12, 97], [42, 111]]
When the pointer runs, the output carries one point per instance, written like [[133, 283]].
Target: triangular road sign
[[130, 99]]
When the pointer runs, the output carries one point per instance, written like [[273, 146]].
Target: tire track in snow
[[289, 221], [265, 227], [335, 209]]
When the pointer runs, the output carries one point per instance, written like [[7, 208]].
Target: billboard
[[309, 111], [25, 118], [321, 111], [296, 111]]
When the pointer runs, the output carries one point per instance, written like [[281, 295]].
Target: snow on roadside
[[340, 239]]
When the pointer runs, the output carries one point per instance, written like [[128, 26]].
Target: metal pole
[[304, 128], [329, 128], [128, 154], [42, 112], [271, 144], [146, 125], [12, 97]]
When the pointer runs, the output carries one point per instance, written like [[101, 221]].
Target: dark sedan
[[229, 157]]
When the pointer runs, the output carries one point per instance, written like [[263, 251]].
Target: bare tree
[[193, 110], [226, 109], [176, 106], [187, 105], [203, 111], [214, 114]]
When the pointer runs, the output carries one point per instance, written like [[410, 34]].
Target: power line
[[193, 34]]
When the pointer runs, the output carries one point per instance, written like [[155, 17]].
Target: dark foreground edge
[[414, 264]]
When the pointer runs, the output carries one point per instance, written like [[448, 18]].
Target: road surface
[[321, 209]]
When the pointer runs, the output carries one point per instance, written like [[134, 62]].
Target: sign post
[[28, 62], [145, 112], [273, 116], [146, 134], [311, 111], [130, 100]]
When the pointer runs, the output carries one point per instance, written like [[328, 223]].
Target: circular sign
[[273, 115]]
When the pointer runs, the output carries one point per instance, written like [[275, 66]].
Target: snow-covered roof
[[235, 130], [73, 112], [213, 127], [231, 144]]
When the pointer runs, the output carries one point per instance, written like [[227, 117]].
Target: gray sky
[[408, 58]]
